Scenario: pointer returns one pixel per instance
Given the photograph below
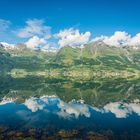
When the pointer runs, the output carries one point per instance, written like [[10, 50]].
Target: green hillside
[[6, 62], [96, 57]]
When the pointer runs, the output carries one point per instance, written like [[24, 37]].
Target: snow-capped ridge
[[8, 46]]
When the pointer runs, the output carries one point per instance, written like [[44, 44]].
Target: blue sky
[[100, 17]]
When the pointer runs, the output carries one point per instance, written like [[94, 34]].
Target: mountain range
[[96, 56]]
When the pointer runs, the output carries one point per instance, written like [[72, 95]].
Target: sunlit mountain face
[[40, 107]]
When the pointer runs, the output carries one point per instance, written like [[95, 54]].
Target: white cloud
[[38, 35], [35, 41], [135, 40], [71, 37], [42, 43], [4, 25], [120, 39], [34, 27]]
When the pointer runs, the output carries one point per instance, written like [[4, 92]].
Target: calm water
[[65, 108]]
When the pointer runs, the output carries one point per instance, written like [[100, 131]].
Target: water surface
[[65, 108]]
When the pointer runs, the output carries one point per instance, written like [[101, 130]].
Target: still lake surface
[[65, 108]]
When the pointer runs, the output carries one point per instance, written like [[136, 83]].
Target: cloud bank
[[72, 37], [120, 39], [36, 34]]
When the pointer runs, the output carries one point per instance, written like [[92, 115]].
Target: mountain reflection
[[96, 92], [97, 106]]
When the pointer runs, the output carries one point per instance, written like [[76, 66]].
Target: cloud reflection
[[60, 108], [120, 109], [74, 109]]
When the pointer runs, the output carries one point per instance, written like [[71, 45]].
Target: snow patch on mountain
[[7, 46]]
